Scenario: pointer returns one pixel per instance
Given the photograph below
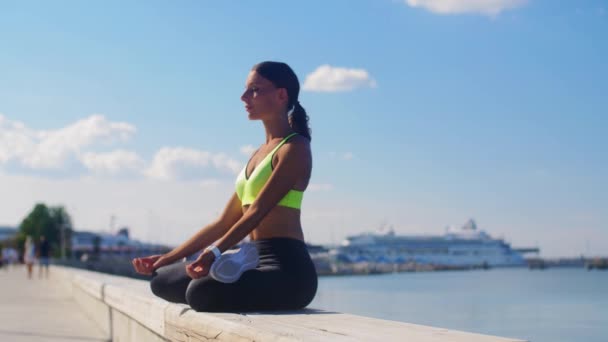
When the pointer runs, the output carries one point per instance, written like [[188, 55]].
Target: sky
[[424, 114]]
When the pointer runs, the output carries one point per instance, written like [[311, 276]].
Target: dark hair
[[282, 76]]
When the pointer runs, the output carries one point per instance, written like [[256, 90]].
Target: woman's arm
[[204, 237], [210, 233]]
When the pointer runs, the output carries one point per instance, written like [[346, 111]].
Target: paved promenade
[[41, 310]]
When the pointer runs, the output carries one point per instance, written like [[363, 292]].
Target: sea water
[[555, 304]]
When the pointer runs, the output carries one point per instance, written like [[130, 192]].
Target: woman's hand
[[147, 265], [200, 267]]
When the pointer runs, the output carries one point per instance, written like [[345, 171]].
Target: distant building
[[7, 233], [105, 243]]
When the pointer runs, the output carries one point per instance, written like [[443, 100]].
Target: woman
[[29, 255], [265, 206]]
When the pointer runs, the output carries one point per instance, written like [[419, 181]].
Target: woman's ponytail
[[298, 120]]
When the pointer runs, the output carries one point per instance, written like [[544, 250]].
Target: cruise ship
[[466, 246]]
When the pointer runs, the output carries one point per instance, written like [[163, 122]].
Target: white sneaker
[[232, 263]]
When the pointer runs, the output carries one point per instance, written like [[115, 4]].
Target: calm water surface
[[559, 304]]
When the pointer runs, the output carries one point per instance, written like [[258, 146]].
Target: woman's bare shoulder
[[297, 149], [299, 141], [297, 145]]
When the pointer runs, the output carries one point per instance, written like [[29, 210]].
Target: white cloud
[[113, 163], [51, 149], [333, 79], [58, 149], [14, 139], [247, 150], [348, 156], [485, 7], [171, 163], [223, 162]]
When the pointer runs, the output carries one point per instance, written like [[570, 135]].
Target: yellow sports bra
[[247, 188]]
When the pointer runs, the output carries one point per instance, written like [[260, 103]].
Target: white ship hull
[[467, 247]]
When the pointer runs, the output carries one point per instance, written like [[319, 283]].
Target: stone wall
[[126, 310]]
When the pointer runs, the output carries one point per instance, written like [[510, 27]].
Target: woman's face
[[262, 99]]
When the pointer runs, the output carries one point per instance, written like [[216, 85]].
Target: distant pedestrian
[[29, 255], [44, 251], [9, 257], [2, 259]]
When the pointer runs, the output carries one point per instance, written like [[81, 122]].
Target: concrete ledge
[[128, 311], [140, 304]]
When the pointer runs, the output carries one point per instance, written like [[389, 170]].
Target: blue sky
[[424, 113]]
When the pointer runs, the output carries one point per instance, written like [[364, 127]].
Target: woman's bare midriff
[[279, 222]]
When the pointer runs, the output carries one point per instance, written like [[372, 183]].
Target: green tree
[[63, 223], [47, 221]]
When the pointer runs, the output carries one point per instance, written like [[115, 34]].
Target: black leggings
[[285, 279]]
